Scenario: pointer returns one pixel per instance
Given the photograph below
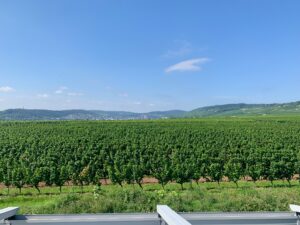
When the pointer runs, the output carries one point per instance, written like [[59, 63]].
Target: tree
[[114, 174], [233, 171], [7, 178], [254, 171], [182, 167], [34, 177], [297, 165], [46, 175], [83, 177], [163, 174], [60, 176], [216, 172], [138, 167], [115, 168], [18, 178]]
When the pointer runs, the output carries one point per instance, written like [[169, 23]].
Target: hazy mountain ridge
[[246, 109], [240, 109], [40, 114]]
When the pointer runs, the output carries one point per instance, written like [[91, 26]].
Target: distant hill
[[209, 111], [246, 109], [38, 114]]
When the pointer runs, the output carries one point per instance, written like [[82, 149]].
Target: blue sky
[[148, 55]]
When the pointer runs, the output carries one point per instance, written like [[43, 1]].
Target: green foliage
[[84, 152], [18, 177], [216, 172], [112, 198], [233, 170], [97, 191]]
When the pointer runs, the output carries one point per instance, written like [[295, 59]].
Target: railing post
[[296, 209]]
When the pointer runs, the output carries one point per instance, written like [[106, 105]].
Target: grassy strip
[[205, 197]]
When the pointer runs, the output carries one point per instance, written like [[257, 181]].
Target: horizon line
[[74, 109]]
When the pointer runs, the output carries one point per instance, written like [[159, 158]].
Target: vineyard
[[181, 151]]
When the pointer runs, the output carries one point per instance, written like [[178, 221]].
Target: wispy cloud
[[124, 94], [43, 96], [61, 90], [75, 94], [183, 48], [6, 89], [188, 65]]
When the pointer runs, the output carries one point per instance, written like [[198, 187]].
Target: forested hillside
[[168, 150], [229, 110]]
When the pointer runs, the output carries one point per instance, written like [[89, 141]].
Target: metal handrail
[[170, 217], [8, 212]]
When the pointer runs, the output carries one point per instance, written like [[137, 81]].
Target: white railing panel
[[8, 212], [170, 217]]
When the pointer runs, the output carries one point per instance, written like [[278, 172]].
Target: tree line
[[84, 152]]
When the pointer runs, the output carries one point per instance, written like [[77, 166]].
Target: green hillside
[[246, 110], [229, 110]]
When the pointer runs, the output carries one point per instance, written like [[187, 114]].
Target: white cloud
[[183, 48], [6, 89], [137, 103], [74, 94], [61, 90], [187, 65], [151, 104], [43, 96]]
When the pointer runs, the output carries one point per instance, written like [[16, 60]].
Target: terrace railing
[[8, 212], [169, 217]]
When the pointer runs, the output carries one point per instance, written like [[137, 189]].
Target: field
[[226, 197], [38, 160]]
